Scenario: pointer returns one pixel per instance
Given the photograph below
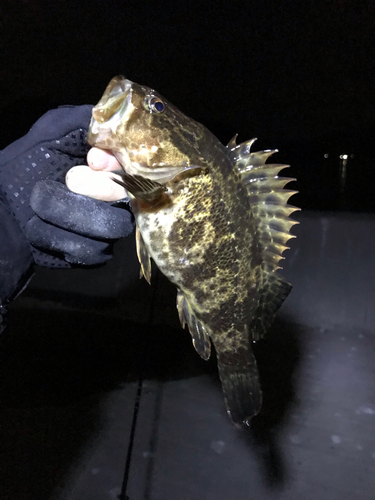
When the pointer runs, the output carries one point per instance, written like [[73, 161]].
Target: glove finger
[[43, 161], [75, 248], [52, 126], [53, 202]]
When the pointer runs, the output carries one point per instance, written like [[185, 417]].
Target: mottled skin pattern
[[206, 251], [201, 233]]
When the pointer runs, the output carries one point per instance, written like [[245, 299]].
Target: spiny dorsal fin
[[269, 204], [232, 143], [240, 150], [198, 332], [268, 199]]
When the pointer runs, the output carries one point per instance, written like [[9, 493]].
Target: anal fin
[[143, 256], [198, 332]]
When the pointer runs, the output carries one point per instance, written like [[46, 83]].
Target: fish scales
[[206, 215], [194, 244]]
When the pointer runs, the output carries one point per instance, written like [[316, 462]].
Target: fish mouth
[[114, 107]]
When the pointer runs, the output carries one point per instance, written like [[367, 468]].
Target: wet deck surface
[[70, 377]]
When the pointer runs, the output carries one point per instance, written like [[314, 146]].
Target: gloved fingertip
[[75, 248]]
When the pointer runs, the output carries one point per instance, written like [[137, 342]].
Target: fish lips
[[114, 107]]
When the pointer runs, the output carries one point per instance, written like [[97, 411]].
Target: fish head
[[146, 133]]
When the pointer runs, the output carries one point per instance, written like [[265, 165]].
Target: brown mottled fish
[[214, 219]]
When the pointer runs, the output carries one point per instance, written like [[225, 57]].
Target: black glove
[[42, 221]]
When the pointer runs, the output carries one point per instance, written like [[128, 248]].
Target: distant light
[[343, 157], [351, 156], [326, 155]]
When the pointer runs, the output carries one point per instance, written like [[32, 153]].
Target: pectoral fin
[[198, 332], [140, 187], [143, 256]]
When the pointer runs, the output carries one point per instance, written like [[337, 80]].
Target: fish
[[215, 219]]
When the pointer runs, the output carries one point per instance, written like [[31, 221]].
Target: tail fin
[[240, 382]]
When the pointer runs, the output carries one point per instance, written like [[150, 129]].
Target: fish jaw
[[114, 109]]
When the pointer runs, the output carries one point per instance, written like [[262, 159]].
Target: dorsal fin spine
[[268, 198]]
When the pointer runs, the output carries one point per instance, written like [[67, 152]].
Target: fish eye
[[155, 105]]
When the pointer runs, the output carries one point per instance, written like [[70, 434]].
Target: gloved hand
[[41, 221]]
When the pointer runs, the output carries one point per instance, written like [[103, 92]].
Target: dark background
[[297, 75]]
